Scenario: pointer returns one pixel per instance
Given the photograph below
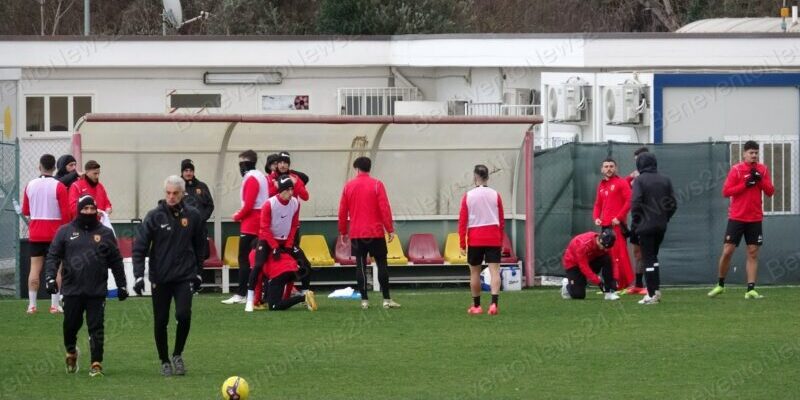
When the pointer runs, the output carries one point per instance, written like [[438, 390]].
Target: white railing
[[373, 101], [498, 109], [781, 155], [483, 109]]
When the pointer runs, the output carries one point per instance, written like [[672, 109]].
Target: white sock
[[32, 298], [251, 295], [54, 299]]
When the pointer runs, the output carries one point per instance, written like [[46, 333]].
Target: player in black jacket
[[652, 205], [197, 196], [67, 170], [172, 236], [87, 249]]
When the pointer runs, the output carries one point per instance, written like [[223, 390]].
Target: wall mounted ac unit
[[568, 103], [626, 104]]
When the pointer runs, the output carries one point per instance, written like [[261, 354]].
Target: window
[[201, 100], [34, 114], [56, 113], [780, 155], [373, 101]]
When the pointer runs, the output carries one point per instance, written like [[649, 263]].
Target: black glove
[[122, 294], [50, 285], [138, 287], [296, 250], [755, 175], [750, 182], [198, 280], [276, 254]]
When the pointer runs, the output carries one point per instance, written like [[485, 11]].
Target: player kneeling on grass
[[281, 270], [280, 219], [87, 249], [585, 257], [480, 231]]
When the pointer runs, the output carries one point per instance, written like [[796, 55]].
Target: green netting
[[566, 179]]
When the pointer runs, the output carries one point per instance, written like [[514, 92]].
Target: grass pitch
[[538, 347]]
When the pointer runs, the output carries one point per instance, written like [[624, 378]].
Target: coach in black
[[172, 236], [87, 249], [197, 196]]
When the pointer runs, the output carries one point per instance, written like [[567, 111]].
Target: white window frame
[[194, 110], [794, 167], [308, 93], [384, 93], [47, 133]]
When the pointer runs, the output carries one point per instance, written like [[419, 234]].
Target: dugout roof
[[425, 162]]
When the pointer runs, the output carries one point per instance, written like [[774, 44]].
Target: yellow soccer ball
[[235, 388]]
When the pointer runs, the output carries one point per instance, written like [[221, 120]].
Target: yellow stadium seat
[[231, 256], [452, 250], [316, 249], [395, 254]]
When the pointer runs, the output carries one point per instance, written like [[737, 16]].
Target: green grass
[[539, 347]]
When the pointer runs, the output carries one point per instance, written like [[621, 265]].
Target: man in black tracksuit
[[172, 236], [87, 249], [197, 196], [67, 170], [652, 205]]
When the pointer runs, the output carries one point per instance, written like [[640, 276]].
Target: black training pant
[[275, 288], [163, 294], [576, 285], [650, 244], [375, 247], [95, 308], [246, 243]]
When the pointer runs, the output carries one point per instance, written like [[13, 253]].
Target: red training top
[[581, 250], [746, 204], [481, 220], [365, 203], [613, 200], [81, 188]]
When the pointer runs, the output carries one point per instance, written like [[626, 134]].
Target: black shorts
[[752, 232], [38, 249], [634, 238], [476, 255], [375, 247]]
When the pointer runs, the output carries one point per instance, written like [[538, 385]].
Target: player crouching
[[281, 270], [585, 257]]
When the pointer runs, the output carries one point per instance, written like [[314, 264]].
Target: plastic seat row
[[422, 250]]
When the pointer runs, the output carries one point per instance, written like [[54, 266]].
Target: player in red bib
[[480, 231], [45, 202]]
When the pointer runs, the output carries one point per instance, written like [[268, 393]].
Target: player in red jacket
[[253, 194], [585, 257], [89, 184], [365, 205], [638, 285], [45, 202], [611, 208], [480, 230], [745, 184]]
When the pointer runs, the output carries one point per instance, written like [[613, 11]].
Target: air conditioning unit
[[517, 97], [626, 104], [567, 103], [457, 107]]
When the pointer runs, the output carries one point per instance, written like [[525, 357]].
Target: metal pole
[[41, 15], [86, 21]]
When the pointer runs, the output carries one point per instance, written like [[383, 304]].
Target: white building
[[681, 87]]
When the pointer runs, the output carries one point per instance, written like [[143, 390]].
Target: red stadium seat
[[125, 245], [423, 249], [508, 256], [213, 260], [343, 253]]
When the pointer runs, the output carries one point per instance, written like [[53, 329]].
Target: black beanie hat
[[272, 158], [187, 164], [85, 201], [284, 156], [285, 182]]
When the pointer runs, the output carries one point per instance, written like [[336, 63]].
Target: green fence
[[9, 224], [566, 179]]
